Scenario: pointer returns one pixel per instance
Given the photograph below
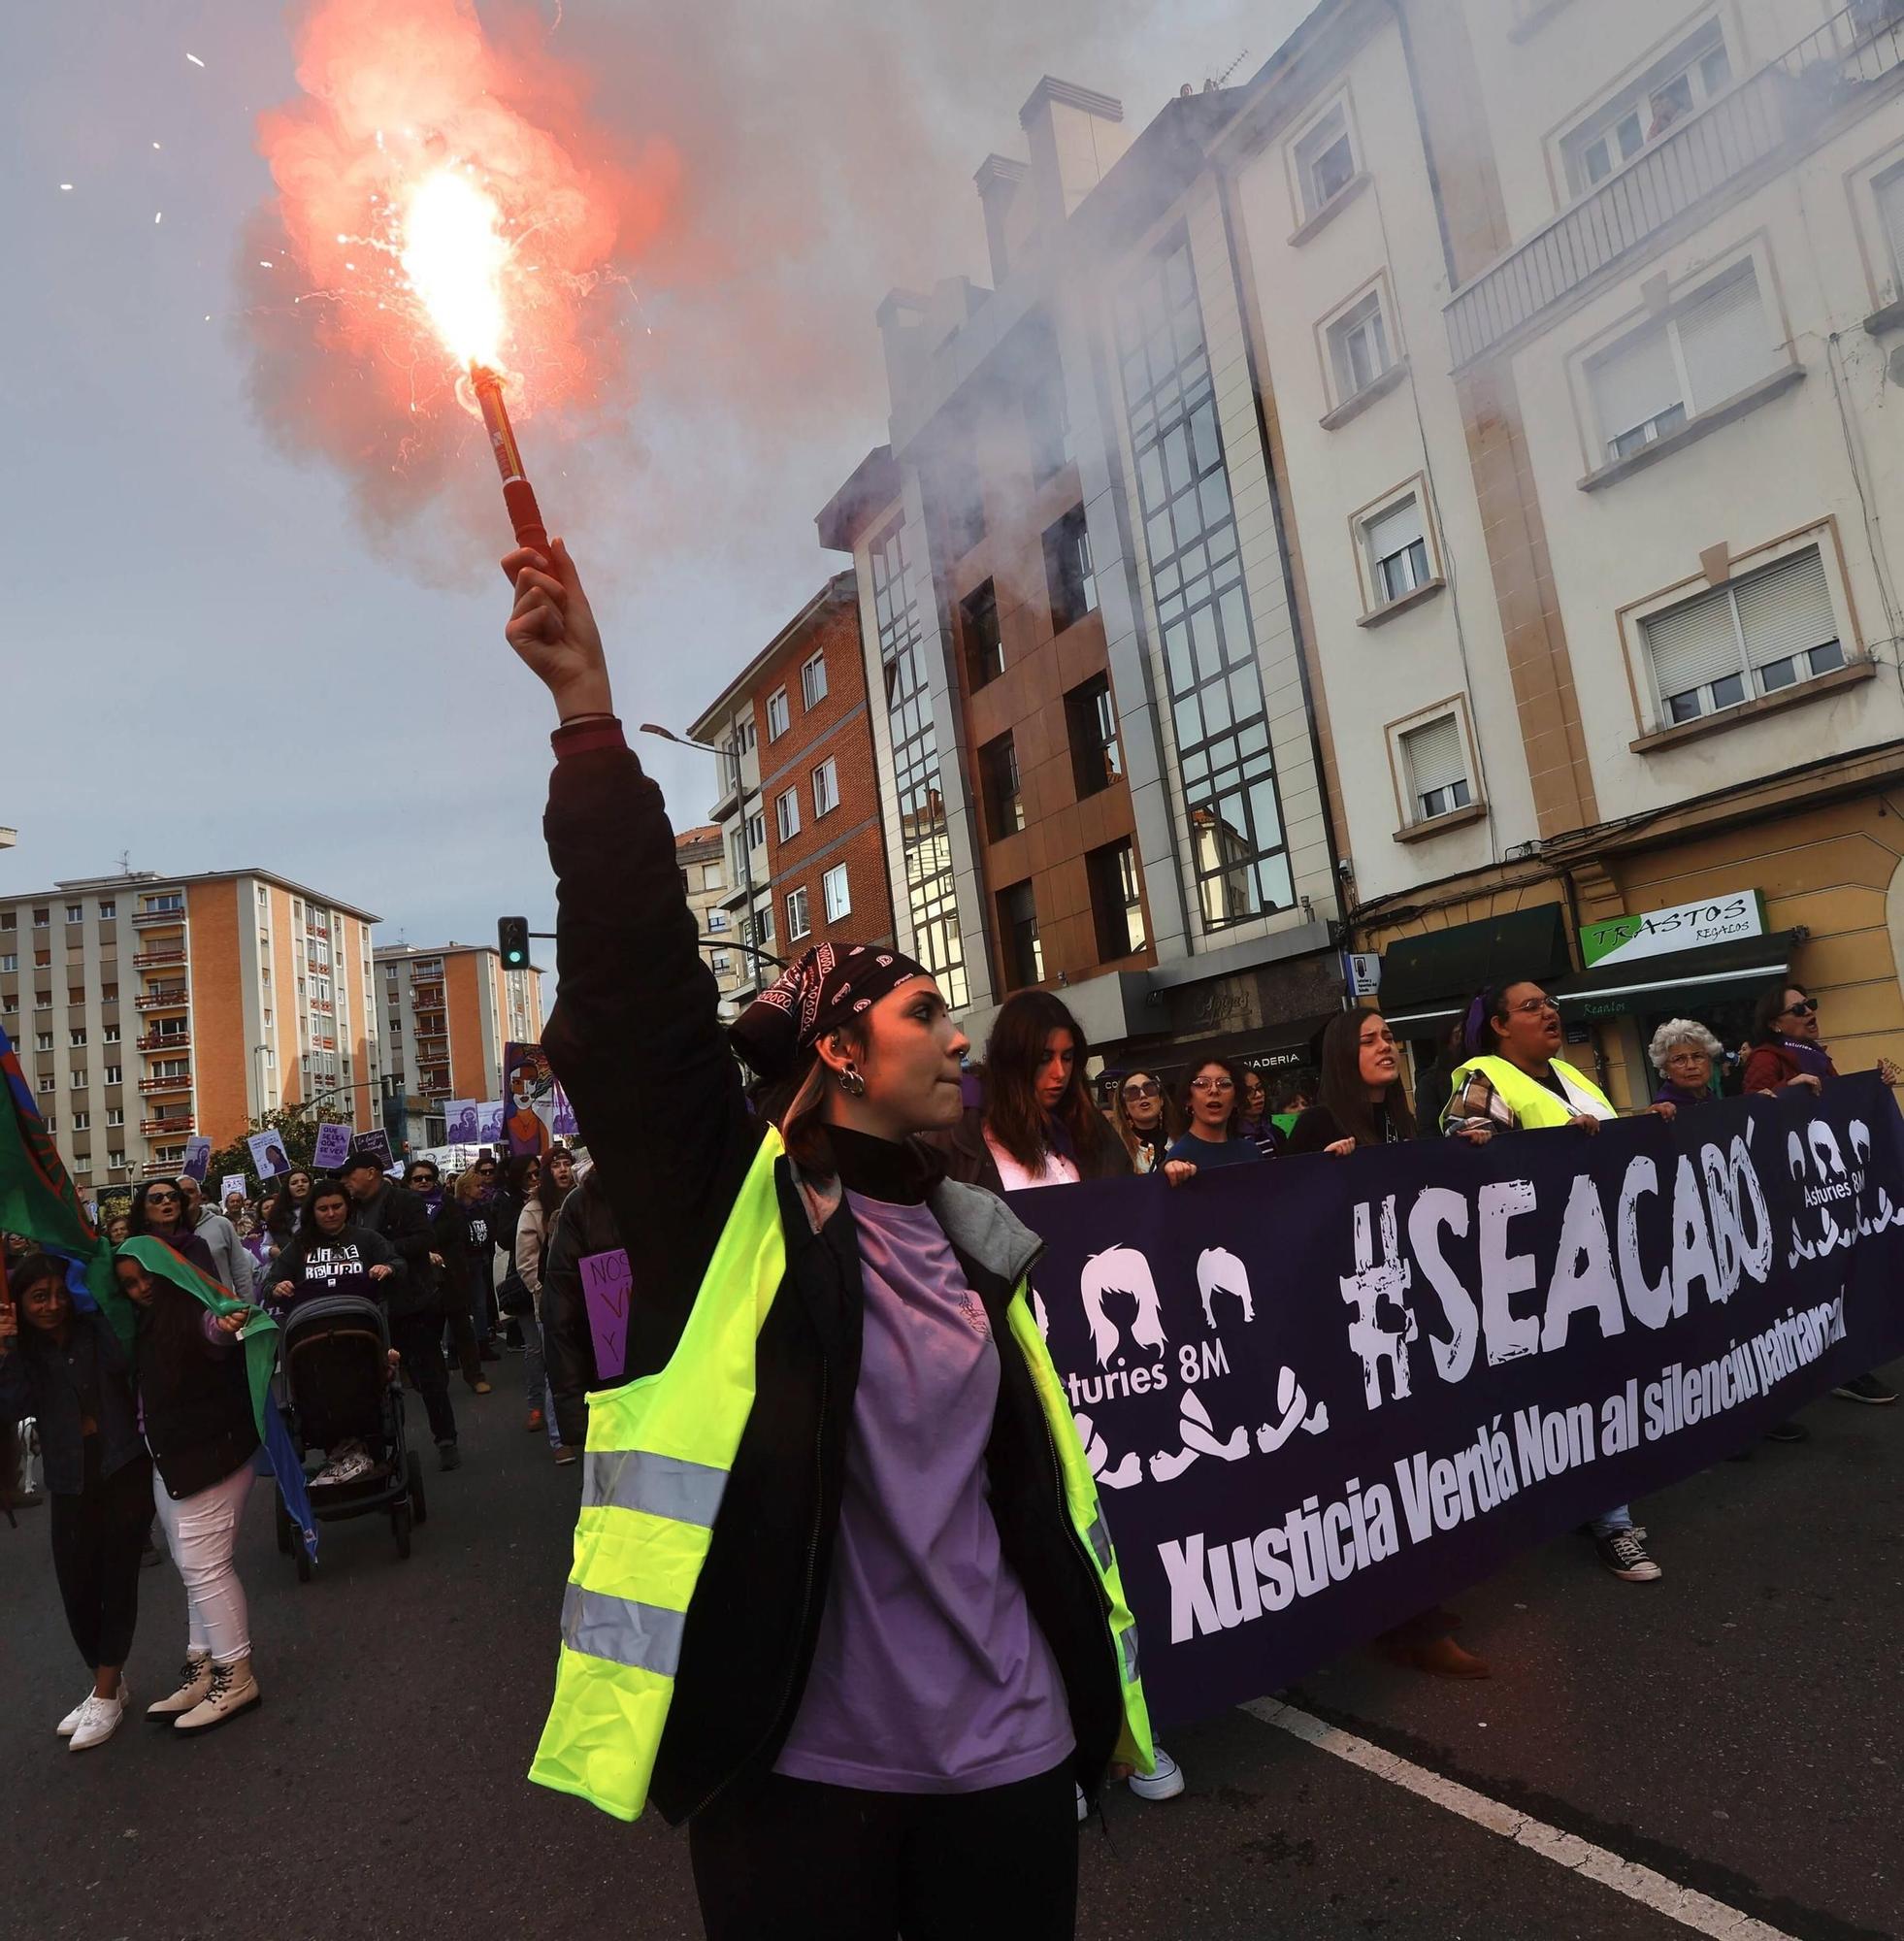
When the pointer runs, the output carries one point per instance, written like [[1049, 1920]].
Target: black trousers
[[97, 1538], [802, 1862], [418, 1339]]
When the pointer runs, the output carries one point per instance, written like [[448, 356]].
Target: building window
[[924, 852], [1359, 346], [82, 1121], [1117, 904], [813, 682], [115, 1115], [744, 734], [984, 645], [114, 1074], [42, 917], [1756, 635], [778, 717], [1889, 192], [1397, 550], [107, 909], [1325, 161], [1435, 762], [77, 1080], [1067, 575], [75, 1038], [1018, 936], [1091, 727], [1713, 345], [1004, 803], [43, 1040], [723, 962], [117, 1159], [9, 920], [835, 894], [160, 903], [1670, 90], [716, 919], [786, 815], [1226, 768], [109, 1034], [9, 960], [736, 852], [756, 835], [76, 913], [797, 920], [48, 1082], [825, 788]]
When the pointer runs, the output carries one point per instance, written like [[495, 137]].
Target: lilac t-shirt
[[930, 1674]]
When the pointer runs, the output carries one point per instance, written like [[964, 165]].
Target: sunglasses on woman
[[1143, 1091], [1804, 1009]]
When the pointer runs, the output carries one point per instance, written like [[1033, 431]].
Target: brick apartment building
[[447, 1010], [146, 1008], [824, 839]]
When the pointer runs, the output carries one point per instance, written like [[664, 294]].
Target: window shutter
[[1437, 758], [1396, 529], [1692, 644], [1786, 609], [1724, 338], [1637, 382]]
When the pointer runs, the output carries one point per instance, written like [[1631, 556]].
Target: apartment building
[[1099, 758], [148, 1008], [447, 1010], [744, 909], [813, 847], [1574, 327], [702, 854]]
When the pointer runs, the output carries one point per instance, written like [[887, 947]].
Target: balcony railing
[[180, 1083], [1774, 108], [172, 998], [164, 953], [179, 1122], [141, 918], [164, 1042]]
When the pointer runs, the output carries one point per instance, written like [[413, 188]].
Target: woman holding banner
[[1513, 1080], [872, 1628], [67, 1370], [1212, 1105]]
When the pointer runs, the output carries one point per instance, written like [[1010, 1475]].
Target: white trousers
[[201, 1532]]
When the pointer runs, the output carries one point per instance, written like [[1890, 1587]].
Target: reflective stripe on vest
[[1134, 1746], [1529, 1100], [659, 1452]]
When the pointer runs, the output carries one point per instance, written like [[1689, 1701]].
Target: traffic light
[[512, 941]]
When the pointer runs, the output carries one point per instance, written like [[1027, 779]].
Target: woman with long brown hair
[[1033, 1123], [1146, 1118], [1362, 1099]]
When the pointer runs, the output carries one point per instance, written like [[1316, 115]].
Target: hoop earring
[[852, 1081]]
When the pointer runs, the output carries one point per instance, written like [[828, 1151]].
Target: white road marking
[[1683, 1904]]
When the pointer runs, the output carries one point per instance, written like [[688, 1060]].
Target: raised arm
[[635, 1034]]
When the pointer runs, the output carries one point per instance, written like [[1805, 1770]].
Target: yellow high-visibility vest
[[658, 1456], [1529, 1100]]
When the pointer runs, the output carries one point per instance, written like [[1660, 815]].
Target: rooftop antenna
[[1243, 55], [125, 862]]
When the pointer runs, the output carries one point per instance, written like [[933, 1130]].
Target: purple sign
[[563, 1123], [333, 1147], [489, 1122], [606, 1284]]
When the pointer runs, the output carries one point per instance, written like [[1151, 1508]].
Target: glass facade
[[925, 845], [1224, 763]]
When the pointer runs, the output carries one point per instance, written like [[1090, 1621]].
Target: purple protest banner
[[333, 1147], [606, 1284]]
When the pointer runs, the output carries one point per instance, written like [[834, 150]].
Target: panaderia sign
[[1320, 1395]]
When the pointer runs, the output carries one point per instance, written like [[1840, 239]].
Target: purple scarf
[[1672, 1092], [1815, 1059]]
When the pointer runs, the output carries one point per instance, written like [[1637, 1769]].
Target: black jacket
[[466, 1237], [400, 1216], [53, 1385], [585, 1225], [636, 1038], [294, 1265], [194, 1395]]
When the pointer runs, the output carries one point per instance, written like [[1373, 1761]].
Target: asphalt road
[[1737, 1728]]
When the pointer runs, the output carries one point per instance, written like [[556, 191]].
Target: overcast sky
[[207, 664]]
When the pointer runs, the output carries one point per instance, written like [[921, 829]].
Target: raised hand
[[552, 628]]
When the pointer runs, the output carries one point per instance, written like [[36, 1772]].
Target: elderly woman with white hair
[[1683, 1054]]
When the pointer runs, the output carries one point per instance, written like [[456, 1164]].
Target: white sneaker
[[99, 1720], [1165, 1783], [1083, 1806], [69, 1725], [233, 1690]]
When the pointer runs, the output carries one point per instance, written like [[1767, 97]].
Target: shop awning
[[1426, 981], [1286, 1048], [1677, 980]]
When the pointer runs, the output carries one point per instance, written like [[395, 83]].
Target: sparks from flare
[[454, 253]]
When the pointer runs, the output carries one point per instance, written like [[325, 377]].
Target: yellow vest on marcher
[[1528, 1100]]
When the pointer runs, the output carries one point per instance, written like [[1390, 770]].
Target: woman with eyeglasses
[[158, 1208], [1513, 1080], [1788, 1054], [1210, 1102], [1145, 1117], [1254, 1119]]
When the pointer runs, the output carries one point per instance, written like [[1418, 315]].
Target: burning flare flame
[[454, 253]]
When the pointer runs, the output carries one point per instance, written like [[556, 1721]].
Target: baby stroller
[[336, 1361]]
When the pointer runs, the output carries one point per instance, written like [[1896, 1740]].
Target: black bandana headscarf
[[823, 990]]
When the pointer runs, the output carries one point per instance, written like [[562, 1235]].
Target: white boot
[[194, 1682], [99, 1720], [233, 1690]]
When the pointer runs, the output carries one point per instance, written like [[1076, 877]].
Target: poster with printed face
[[268, 1154], [489, 1123], [462, 1122], [562, 1120], [233, 1183], [198, 1156], [528, 1101], [1323, 1394], [333, 1147]]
